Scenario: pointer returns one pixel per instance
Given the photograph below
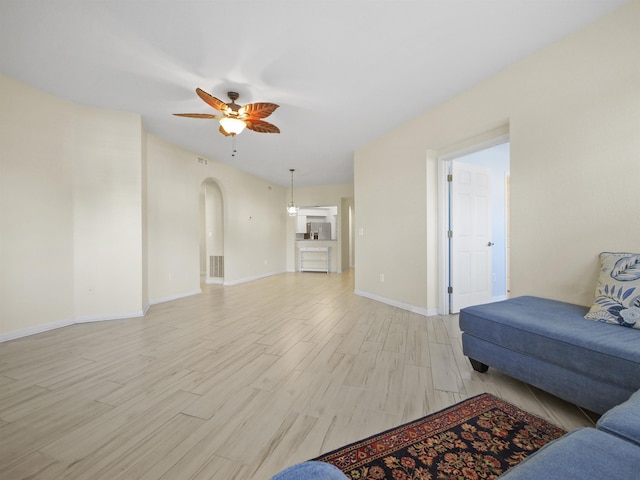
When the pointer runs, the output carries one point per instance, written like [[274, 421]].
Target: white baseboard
[[394, 303], [250, 279], [106, 316], [25, 332], [176, 296], [214, 281], [5, 337]]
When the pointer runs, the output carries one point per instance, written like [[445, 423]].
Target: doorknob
[[490, 244]]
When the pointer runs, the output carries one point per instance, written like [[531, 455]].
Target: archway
[[211, 232]]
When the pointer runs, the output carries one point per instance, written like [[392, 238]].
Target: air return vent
[[216, 266], [202, 161]]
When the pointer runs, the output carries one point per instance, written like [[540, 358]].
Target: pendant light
[[292, 208]]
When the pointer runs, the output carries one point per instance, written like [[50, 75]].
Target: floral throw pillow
[[618, 291]]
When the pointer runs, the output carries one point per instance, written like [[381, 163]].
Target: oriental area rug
[[477, 439]]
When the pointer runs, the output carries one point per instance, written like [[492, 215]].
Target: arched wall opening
[[211, 232]]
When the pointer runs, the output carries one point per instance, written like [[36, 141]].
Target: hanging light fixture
[[292, 207], [233, 126]]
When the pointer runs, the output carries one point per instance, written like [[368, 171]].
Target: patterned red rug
[[479, 438]]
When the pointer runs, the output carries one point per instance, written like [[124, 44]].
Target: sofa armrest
[[585, 454], [623, 420]]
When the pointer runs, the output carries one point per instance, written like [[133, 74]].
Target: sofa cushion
[[585, 453], [556, 332], [624, 420], [575, 387], [617, 298]]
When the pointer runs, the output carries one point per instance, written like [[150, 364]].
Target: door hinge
[[450, 178], [450, 234], [449, 289]]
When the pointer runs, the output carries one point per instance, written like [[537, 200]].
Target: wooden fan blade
[[258, 110], [261, 126], [224, 132], [197, 115], [212, 101]]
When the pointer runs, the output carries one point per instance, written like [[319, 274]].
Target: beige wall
[[70, 212], [36, 208], [253, 215], [107, 214], [573, 111]]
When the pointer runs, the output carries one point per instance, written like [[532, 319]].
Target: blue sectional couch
[[609, 451], [550, 345]]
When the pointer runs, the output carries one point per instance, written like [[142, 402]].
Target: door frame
[[444, 206]]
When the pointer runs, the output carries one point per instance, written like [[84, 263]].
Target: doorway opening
[[475, 191], [211, 233]]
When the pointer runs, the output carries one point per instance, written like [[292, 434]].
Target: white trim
[[214, 281], [105, 317], [25, 332], [432, 244], [250, 279], [443, 244], [444, 163], [507, 230], [476, 144], [394, 303], [5, 337], [168, 298]]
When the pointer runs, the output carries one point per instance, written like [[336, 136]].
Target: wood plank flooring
[[236, 383]]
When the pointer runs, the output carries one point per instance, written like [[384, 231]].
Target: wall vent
[[202, 161], [216, 266]]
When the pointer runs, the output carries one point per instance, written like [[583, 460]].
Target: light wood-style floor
[[236, 383]]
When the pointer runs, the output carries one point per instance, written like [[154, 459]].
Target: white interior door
[[470, 227]]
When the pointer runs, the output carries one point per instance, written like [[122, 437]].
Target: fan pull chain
[[233, 146]]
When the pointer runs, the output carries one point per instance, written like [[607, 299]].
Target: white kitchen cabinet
[[313, 259]]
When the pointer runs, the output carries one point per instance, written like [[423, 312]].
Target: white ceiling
[[343, 72]]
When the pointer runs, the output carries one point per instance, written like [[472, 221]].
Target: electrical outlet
[[382, 277]]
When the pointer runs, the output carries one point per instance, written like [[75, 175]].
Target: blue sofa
[[609, 451], [550, 345]]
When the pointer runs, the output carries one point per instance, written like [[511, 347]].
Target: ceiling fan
[[235, 117]]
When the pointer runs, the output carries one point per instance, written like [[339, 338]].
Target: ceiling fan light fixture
[[232, 126], [236, 118]]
